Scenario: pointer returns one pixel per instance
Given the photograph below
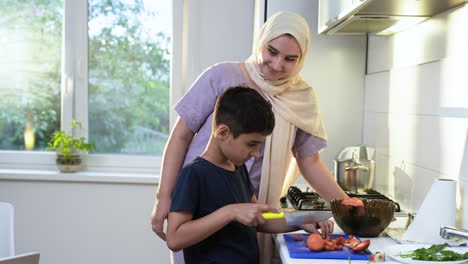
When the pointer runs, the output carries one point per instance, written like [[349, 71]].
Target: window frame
[[74, 98]]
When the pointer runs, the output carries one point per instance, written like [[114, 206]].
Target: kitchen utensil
[[365, 221], [362, 152], [354, 169], [298, 249], [298, 218]]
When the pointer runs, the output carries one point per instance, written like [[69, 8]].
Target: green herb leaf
[[435, 253]]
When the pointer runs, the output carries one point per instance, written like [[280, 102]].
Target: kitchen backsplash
[[412, 76]]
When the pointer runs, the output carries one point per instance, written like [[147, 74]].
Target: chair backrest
[[7, 241], [28, 258]]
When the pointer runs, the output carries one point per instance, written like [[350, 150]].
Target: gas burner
[[369, 194], [310, 200], [306, 200]]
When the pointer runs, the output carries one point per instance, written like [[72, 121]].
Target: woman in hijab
[[299, 135]]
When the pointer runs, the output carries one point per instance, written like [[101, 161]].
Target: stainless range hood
[[381, 17]]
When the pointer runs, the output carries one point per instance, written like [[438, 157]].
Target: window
[[30, 57], [128, 76], [108, 68]]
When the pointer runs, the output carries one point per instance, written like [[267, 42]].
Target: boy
[[214, 215]]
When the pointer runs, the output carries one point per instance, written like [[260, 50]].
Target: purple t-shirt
[[196, 107]]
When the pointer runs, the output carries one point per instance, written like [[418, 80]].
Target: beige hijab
[[294, 103], [295, 106]]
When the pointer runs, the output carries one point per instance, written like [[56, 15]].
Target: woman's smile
[[272, 71], [279, 57]]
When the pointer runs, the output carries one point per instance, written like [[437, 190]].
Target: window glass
[[128, 91], [30, 53]]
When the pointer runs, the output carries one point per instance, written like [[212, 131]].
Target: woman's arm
[[173, 158], [183, 232], [319, 177]]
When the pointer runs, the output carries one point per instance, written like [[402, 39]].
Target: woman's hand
[[159, 214], [326, 228]]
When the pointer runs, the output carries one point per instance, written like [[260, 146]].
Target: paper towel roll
[[438, 209]]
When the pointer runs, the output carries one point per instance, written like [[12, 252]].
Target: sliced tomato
[[298, 238], [339, 240], [351, 242], [361, 246]]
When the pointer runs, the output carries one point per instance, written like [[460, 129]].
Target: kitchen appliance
[[298, 218], [354, 169], [381, 17], [311, 201]]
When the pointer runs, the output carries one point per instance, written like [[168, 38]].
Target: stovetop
[[309, 200]]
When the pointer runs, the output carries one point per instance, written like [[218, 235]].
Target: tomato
[[339, 240], [351, 242], [329, 247], [352, 201], [297, 238], [315, 242], [361, 246]]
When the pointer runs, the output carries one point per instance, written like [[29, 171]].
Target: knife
[[298, 218]]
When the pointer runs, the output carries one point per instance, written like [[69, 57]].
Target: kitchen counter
[[379, 243]]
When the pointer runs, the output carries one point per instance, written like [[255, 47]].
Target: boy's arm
[[275, 226], [183, 232]]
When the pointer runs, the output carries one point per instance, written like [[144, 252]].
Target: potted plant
[[69, 149]]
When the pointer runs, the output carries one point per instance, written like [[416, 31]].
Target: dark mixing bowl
[[367, 221]]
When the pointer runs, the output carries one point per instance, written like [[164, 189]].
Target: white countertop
[[379, 243]]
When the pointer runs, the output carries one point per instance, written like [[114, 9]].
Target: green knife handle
[[270, 215]]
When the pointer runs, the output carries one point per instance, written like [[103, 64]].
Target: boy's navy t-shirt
[[202, 188]]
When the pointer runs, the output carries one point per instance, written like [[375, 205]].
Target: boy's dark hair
[[244, 111]]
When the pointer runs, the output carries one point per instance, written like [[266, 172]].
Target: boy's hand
[[249, 214], [326, 228]]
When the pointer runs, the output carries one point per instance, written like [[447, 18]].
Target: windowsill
[[82, 176]]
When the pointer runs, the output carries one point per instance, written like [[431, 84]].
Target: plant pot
[[71, 164]]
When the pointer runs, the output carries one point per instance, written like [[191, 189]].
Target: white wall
[[216, 31], [335, 67], [78, 222], [210, 31], [415, 79]]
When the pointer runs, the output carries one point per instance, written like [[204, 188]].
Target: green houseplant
[[69, 148]]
